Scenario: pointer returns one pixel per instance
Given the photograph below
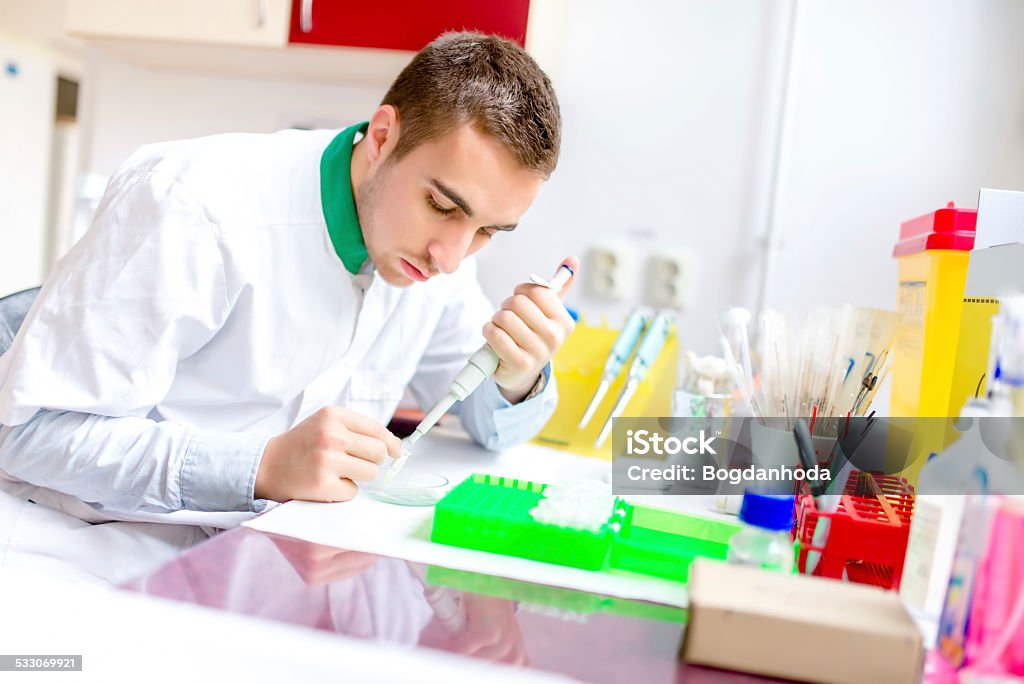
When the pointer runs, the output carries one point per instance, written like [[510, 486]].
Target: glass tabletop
[[589, 637]]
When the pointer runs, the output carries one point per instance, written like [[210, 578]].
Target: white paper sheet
[[371, 526]]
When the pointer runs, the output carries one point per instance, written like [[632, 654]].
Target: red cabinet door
[[402, 24]]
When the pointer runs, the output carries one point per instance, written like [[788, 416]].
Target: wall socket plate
[[670, 279], [608, 270]]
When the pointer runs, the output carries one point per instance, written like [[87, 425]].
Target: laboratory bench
[[367, 570], [356, 595]]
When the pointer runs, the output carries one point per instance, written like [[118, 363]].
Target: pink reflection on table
[[374, 597]]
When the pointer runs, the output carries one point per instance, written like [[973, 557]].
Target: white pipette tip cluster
[[705, 375], [580, 504], [738, 316]]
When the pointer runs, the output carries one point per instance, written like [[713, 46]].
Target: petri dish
[[410, 488]]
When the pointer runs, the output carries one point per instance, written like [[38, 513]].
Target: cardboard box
[[799, 627]]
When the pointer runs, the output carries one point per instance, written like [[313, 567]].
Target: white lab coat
[[204, 312]]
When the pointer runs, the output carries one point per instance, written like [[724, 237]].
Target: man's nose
[[448, 250]]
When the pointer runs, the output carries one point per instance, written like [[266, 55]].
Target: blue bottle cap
[[771, 512]]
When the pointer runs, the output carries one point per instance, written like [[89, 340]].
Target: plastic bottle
[[764, 540]]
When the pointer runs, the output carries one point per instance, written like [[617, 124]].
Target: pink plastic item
[[995, 633]]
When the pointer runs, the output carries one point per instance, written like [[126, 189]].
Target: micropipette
[[650, 347], [481, 366], [623, 347]]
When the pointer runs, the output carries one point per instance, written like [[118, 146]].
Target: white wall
[[663, 106], [665, 142], [895, 108], [899, 108]]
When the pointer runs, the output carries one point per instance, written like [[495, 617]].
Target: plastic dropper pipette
[[481, 366]]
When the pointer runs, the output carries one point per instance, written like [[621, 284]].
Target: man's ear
[[382, 134]]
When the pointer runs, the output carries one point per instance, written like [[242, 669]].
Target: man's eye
[[487, 232], [444, 211]]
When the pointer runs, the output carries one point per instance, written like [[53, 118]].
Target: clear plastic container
[[764, 540]]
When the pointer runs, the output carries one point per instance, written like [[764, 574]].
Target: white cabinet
[[255, 23]]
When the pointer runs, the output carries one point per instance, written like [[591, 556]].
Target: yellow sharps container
[[933, 252]]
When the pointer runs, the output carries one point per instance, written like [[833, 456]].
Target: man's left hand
[[527, 330]]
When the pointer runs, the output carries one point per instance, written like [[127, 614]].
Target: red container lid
[[948, 228]]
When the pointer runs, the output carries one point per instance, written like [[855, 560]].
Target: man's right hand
[[323, 457]]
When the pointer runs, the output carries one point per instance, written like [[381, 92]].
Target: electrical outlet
[[670, 280], [608, 271]]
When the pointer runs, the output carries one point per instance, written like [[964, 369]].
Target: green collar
[[339, 205]]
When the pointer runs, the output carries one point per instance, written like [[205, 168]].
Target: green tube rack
[[491, 513]]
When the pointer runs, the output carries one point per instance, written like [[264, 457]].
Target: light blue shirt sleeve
[[496, 424], [219, 473], [132, 464]]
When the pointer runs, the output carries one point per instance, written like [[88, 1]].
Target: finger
[[527, 309], [371, 449], [356, 469], [364, 425], [574, 265], [549, 304], [504, 346], [521, 334]]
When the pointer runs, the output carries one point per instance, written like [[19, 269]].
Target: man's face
[[425, 213]]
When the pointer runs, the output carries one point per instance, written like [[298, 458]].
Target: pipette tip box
[[491, 513]]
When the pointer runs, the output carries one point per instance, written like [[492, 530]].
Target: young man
[[247, 310]]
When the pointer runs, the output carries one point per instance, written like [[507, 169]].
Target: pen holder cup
[[773, 445], [578, 367]]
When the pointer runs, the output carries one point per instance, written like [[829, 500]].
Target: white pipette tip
[[602, 389], [396, 467], [620, 404]]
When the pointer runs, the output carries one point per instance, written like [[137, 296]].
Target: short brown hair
[[484, 80]]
